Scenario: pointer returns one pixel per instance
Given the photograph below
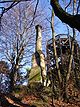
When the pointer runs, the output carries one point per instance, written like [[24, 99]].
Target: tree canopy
[[72, 20]]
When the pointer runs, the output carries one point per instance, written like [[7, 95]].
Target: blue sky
[[46, 4], [60, 28]]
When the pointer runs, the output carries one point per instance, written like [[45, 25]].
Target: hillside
[[36, 95]]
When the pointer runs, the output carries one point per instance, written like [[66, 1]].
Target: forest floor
[[35, 96]]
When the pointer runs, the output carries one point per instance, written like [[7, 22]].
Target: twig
[[68, 4], [78, 6]]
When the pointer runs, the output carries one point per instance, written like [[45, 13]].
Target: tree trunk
[[55, 53], [70, 62]]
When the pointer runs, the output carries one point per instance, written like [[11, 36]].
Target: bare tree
[[18, 35]]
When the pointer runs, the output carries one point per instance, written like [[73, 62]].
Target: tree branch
[[72, 20], [8, 1]]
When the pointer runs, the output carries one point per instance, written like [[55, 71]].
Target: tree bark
[[55, 51], [72, 20], [55, 56]]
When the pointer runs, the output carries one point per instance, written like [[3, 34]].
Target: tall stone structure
[[38, 71], [38, 38]]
